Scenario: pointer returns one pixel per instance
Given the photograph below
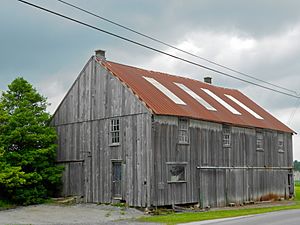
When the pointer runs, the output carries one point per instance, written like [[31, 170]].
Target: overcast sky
[[258, 37]]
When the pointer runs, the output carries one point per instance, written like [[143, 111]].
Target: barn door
[[291, 185], [116, 179]]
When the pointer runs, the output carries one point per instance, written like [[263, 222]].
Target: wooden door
[[291, 184], [117, 180]]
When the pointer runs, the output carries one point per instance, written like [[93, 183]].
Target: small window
[[259, 140], [176, 173], [226, 136], [280, 142], [183, 131], [115, 131]]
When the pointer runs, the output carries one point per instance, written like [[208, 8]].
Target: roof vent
[[208, 80], [100, 54]]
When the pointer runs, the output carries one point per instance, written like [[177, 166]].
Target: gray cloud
[[256, 37]]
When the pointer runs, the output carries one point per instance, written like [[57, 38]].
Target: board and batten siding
[[217, 187], [82, 122], [149, 145]]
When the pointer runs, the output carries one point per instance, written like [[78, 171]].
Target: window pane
[[183, 131], [115, 131], [111, 125], [259, 140], [226, 136], [280, 141], [115, 125], [176, 173], [182, 124]]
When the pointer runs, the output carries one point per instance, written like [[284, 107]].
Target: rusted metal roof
[[162, 93]]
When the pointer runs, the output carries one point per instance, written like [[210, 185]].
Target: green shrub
[[28, 173]]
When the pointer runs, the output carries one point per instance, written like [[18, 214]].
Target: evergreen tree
[[28, 174], [297, 165]]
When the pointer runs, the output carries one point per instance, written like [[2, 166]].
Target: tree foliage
[[28, 173], [297, 165]]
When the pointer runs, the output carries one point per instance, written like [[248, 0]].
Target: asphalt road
[[288, 217]]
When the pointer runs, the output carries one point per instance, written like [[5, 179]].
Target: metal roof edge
[[228, 123], [172, 75], [292, 131]]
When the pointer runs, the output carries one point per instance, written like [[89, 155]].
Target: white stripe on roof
[[244, 107], [196, 97], [165, 90], [221, 101]]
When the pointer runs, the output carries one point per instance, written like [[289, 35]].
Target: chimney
[[208, 80], [100, 54]]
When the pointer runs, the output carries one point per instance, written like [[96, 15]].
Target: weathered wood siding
[[82, 122], [149, 144], [217, 187]]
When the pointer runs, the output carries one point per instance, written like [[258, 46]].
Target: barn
[[153, 139]]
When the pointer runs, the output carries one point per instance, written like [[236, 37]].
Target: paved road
[[288, 217]]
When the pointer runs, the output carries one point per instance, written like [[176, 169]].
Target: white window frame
[[259, 141], [169, 175], [183, 131], [226, 136], [114, 132]]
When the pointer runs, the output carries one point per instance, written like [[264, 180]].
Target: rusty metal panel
[[160, 104]]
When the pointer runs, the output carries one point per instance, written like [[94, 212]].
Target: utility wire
[[297, 104], [153, 49], [173, 47]]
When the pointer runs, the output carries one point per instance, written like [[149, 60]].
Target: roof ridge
[[172, 75]]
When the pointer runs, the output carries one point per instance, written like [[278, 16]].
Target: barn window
[[280, 142], [114, 131], [259, 140], [226, 136], [176, 172], [183, 131]]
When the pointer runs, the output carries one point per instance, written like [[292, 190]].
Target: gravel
[[83, 214]]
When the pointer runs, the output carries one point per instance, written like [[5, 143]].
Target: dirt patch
[[270, 197], [83, 214]]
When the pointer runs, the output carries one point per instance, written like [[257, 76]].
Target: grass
[[297, 191], [119, 204], [176, 218], [5, 205]]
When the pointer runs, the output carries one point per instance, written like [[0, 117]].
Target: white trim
[[165, 90], [221, 101], [244, 107], [196, 97]]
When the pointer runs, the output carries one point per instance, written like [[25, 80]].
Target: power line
[[153, 49], [297, 104], [174, 47]]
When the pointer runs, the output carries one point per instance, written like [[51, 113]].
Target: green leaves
[[28, 172], [296, 165], [11, 177]]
